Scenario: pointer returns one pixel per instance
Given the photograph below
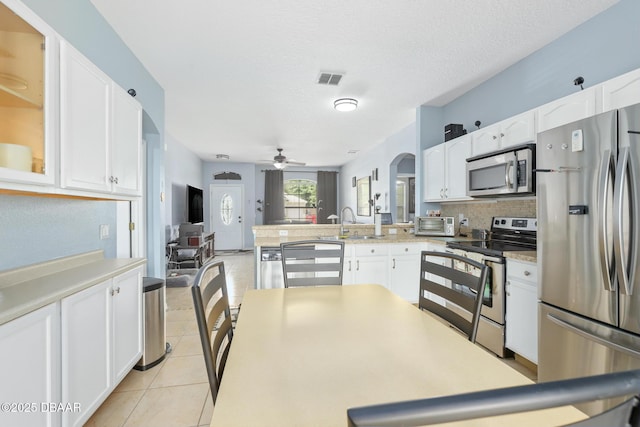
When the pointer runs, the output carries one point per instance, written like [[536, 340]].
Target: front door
[[227, 215]]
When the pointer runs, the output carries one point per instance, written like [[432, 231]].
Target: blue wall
[[604, 47], [380, 157], [80, 23], [184, 168], [39, 229]]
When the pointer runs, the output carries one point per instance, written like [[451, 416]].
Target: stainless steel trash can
[[155, 334]]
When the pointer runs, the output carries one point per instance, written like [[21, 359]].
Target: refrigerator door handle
[[622, 257], [603, 185], [593, 336]]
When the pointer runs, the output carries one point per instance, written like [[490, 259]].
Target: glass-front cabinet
[[27, 73]]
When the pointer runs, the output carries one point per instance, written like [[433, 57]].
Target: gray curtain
[[327, 196], [273, 196]]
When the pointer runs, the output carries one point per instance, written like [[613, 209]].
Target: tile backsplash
[[480, 213]]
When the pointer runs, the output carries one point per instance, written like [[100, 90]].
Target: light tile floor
[[174, 393]]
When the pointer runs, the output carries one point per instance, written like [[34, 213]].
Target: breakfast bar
[[303, 356]]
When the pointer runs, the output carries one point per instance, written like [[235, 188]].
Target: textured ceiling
[[240, 76]]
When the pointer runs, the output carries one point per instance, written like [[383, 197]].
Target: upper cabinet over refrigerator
[[27, 71]]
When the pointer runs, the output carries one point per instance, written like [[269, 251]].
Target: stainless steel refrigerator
[[588, 192]]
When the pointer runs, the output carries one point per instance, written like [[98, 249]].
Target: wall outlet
[[464, 222], [283, 233], [393, 231], [104, 231], [460, 217]]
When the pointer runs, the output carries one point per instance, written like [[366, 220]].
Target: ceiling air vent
[[329, 78]]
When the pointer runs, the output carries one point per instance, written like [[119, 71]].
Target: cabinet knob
[[495, 137], [373, 251], [501, 135], [526, 273]]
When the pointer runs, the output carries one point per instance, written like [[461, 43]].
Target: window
[[226, 209], [300, 200]]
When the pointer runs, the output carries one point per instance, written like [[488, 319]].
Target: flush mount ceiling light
[[345, 104]]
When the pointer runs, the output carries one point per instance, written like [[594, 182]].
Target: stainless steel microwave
[[435, 226], [508, 172]]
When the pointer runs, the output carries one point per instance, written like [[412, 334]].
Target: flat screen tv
[[194, 205]]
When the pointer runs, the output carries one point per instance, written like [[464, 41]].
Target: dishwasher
[[270, 268]]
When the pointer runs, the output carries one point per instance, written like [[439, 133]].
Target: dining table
[[303, 356]]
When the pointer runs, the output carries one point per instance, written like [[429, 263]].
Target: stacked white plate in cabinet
[[14, 156]]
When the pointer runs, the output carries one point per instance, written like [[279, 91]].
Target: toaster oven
[[435, 226]]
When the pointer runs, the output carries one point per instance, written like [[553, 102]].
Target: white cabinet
[[565, 110], [84, 128], [434, 170], [621, 91], [100, 129], [513, 131], [30, 368], [126, 153], [404, 277], [127, 322], [86, 351], [349, 266], [101, 341], [371, 264], [522, 309], [28, 98], [445, 170]]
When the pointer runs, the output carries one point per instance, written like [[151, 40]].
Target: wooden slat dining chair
[[312, 263], [436, 276], [513, 400], [213, 314]]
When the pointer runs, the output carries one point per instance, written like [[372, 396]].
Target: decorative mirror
[[363, 196]]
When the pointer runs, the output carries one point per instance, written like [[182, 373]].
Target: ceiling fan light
[[279, 165], [345, 104]]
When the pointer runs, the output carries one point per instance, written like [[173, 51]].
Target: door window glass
[[226, 209]]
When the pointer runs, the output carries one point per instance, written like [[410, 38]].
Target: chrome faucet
[[353, 219]]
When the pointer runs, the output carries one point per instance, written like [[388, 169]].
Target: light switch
[[577, 143]]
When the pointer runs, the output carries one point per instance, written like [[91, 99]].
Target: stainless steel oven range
[[507, 234]]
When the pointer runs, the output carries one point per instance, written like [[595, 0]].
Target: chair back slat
[[312, 263], [213, 315], [437, 268], [511, 400]]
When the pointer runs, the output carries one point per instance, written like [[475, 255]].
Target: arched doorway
[[402, 175]]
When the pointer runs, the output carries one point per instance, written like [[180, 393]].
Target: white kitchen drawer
[[369, 250], [522, 271], [405, 248]]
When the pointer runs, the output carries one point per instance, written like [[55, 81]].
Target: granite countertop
[[529, 256], [29, 288], [392, 238]]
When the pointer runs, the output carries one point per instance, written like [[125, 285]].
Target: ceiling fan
[[280, 161]]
